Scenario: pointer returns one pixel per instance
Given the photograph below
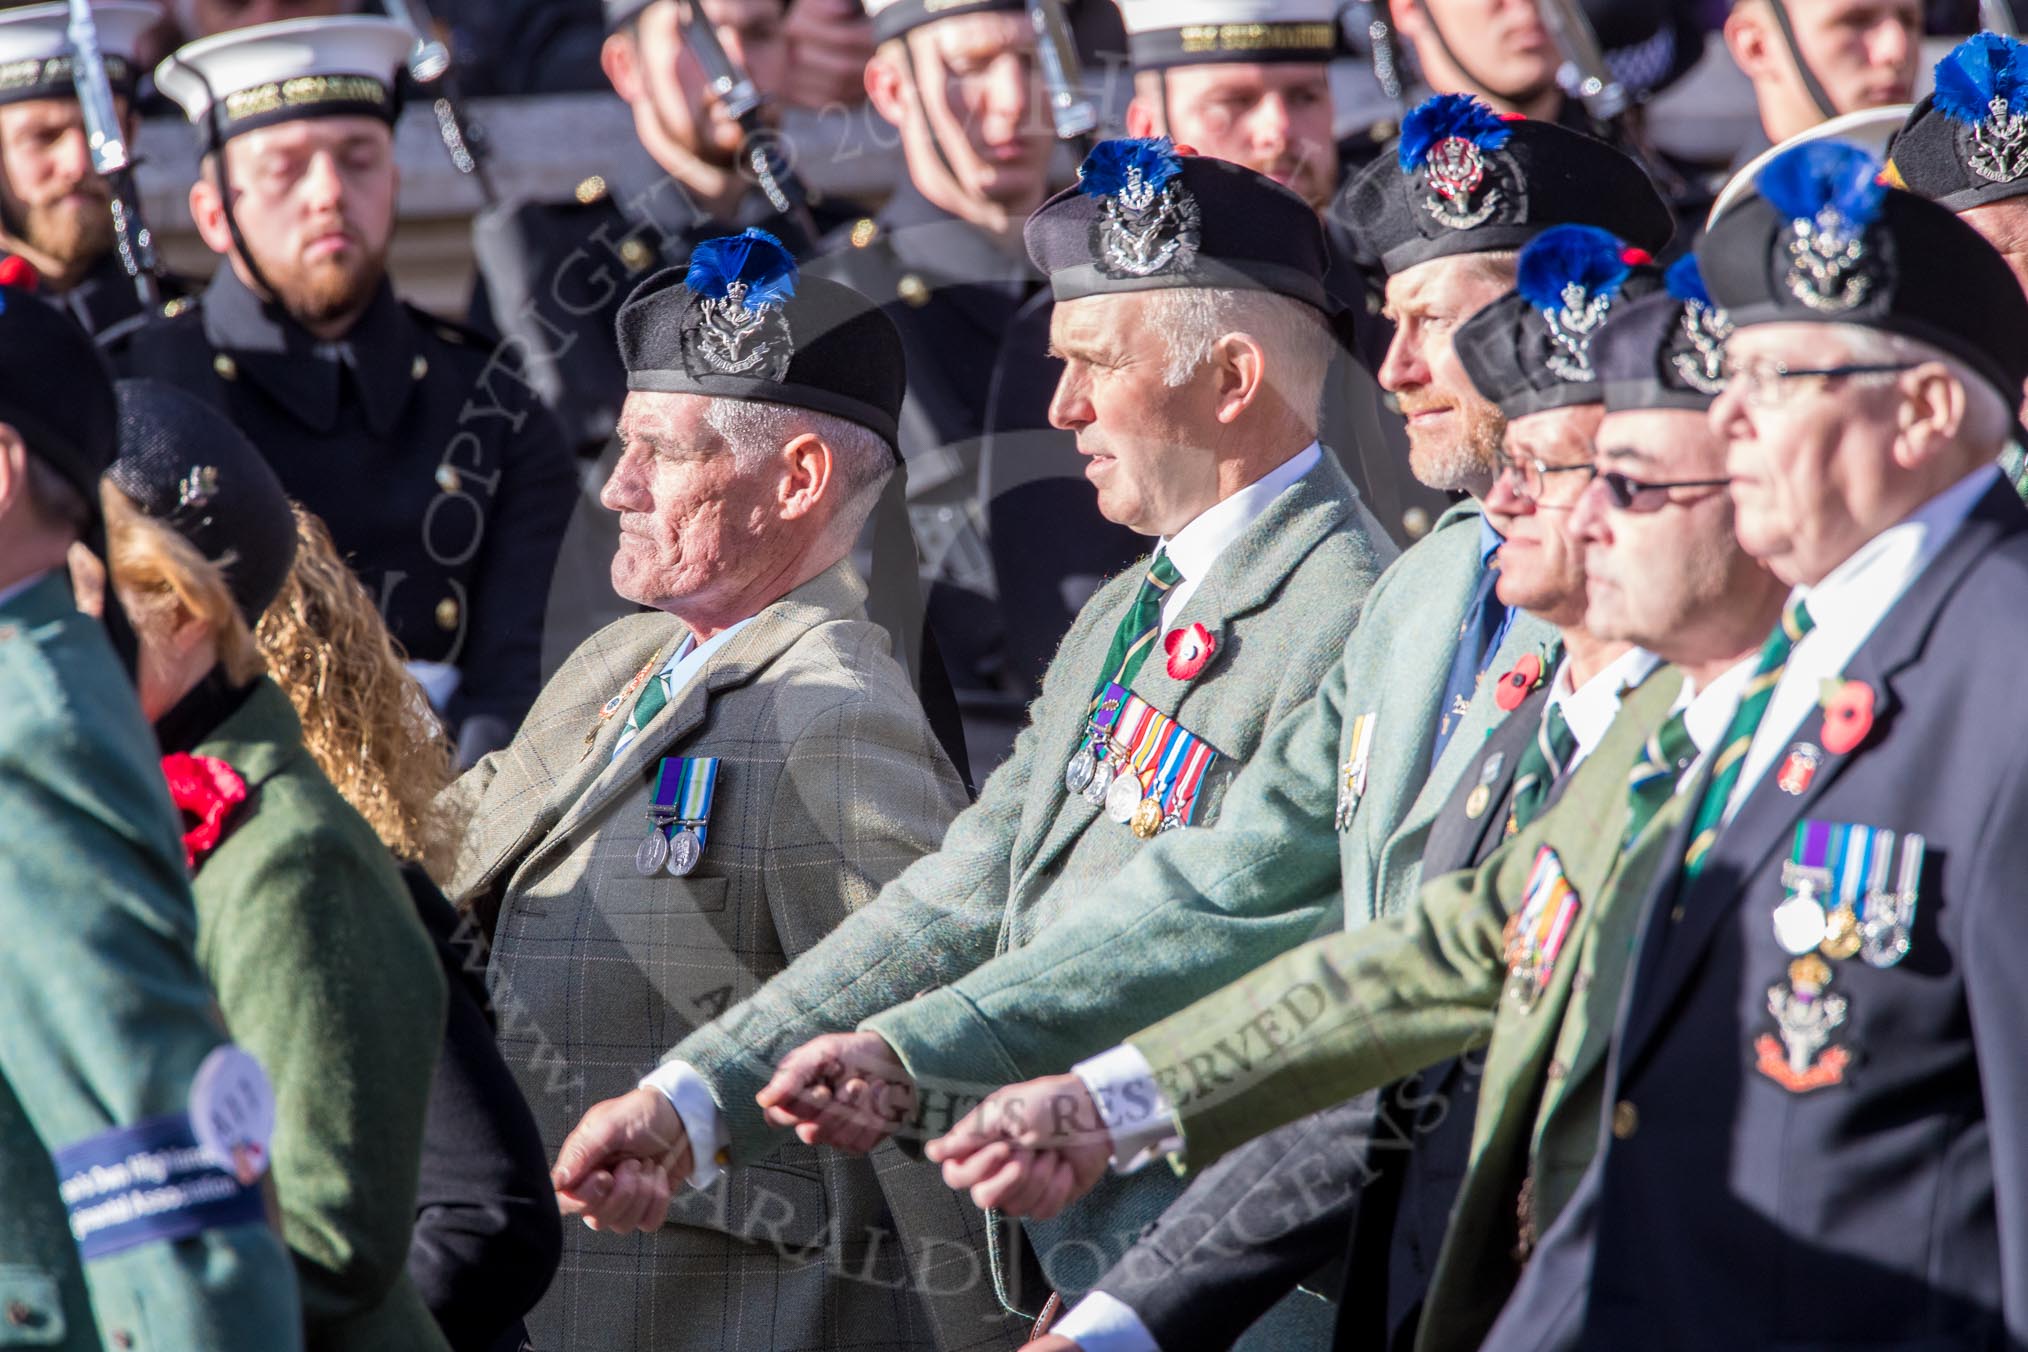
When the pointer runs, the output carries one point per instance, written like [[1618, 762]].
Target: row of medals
[[675, 855], [1801, 924], [1119, 794]]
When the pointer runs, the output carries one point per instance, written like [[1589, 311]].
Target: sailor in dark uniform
[[1248, 81], [56, 225], [945, 262], [443, 480]]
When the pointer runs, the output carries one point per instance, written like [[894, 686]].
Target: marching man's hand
[[620, 1165], [845, 1090], [1030, 1149]]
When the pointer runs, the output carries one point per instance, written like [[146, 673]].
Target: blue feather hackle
[[1105, 171], [1584, 254], [751, 256], [1685, 281], [1978, 70], [1801, 182], [1443, 116]]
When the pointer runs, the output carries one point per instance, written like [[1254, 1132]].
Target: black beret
[[741, 322], [1967, 143], [1142, 217], [56, 392], [1465, 179], [1530, 351], [188, 466], [1667, 350], [1822, 240]]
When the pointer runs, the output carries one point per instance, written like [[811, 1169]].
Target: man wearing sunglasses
[[1448, 976]]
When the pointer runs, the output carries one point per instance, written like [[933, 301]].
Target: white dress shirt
[[1847, 606], [683, 664], [1197, 546], [1193, 550]]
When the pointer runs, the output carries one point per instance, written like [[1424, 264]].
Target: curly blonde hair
[[366, 722]]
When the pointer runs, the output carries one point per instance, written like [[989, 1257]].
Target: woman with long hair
[[487, 1237], [304, 927]]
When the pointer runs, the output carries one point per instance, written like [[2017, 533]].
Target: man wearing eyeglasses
[[1662, 570]]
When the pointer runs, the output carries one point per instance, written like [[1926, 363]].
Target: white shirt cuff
[[703, 1119], [1103, 1323], [1132, 1106]]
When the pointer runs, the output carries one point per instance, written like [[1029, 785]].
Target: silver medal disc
[[654, 850], [685, 849], [1123, 798], [1884, 942], [1080, 770], [1799, 923], [1101, 784]]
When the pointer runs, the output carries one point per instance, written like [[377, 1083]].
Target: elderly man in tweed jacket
[[1197, 407], [700, 794]]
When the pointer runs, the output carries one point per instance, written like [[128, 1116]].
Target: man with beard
[[56, 223], [443, 482], [1249, 81], [1334, 809]]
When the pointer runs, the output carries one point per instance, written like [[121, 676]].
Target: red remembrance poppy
[[1189, 651], [1848, 717], [18, 272], [1516, 684], [207, 790]]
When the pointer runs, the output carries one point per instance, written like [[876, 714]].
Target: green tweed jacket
[[830, 784], [1224, 900], [104, 1013], [326, 975], [1029, 858], [1353, 1011]]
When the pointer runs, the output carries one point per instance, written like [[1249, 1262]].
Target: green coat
[[1028, 860], [1354, 1011], [104, 1013], [325, 974]]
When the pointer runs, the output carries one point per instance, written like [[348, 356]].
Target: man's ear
[[1242, 368], [1932, 414], [1746, 37], [808, 465], [13, 469], [1141, 118], [207, 210], [620, 59], [885, 79]]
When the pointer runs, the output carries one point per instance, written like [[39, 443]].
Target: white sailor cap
[[249, 78], [892, 18], [35, 47], [1164, 33]]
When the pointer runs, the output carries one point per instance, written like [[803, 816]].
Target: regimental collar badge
[[735, 324], [1831, 194], [1982, 86], [1698, 354], [1452, 141], [1572, 274], [1148, 222]]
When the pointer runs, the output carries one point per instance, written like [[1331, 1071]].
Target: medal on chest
[[1352, 772], [679, 817], [1535, 934]]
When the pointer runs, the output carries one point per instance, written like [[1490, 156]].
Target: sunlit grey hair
[[1294, 336], [861, 457]]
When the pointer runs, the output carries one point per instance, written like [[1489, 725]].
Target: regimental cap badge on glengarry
[[1571, 275], [1148, 221], [734, 324], [1967, 143], [1830, 193], [1453, 142], [1531, 350], [1696, 350]]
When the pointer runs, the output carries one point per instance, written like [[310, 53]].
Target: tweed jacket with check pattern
[[829, 784], [1029, 858]]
